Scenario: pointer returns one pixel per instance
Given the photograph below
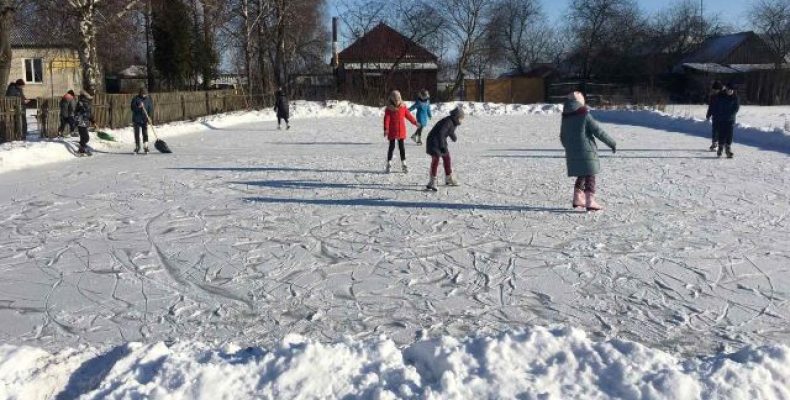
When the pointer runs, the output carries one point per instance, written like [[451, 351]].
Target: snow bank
[[20, 155], [774, 139], [545, 363]]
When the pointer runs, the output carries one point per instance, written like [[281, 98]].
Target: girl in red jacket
[[395, 117]]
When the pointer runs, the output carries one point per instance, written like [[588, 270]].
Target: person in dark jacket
[[83, 116], [725, 108], [142, 111], [68, 104], [281, 108], [436, 147], [715, 90], [578, 133], [17, 89]]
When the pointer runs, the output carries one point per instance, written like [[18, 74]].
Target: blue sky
[[732, 12]]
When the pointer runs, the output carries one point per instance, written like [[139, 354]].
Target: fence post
[[110, 112], [20, 132], [224, 102], [183, 108], [208, 103]]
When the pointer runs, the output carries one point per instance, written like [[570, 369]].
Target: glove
[[614, 150]]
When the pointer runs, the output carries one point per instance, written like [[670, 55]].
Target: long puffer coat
[[578, 133], [281, 105], [436, 143]]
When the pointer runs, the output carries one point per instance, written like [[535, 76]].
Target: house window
[[34, 70]]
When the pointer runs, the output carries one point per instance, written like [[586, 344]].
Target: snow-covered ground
[[249, 236]]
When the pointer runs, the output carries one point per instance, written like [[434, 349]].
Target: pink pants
[[448, 169]]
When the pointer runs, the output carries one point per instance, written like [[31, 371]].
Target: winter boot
[[431, 184], [404, 167], [592, 205], [728, 152], [713, 146], [578, 198], [388, 168], [449, 180]]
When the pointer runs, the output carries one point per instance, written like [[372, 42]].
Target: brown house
[[385, 60], [741, 58]]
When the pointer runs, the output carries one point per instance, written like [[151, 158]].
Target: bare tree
[[6, 21], [521, 32], [600, 27], [772, 19], [467, 21]]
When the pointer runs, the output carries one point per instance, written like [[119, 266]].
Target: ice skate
[[404, 167], [388, 168], [718, 153], [450, 180], [729, 152], [288, 127], [712, 147], [145, 147], [137, 149], [592, 205], [431, 184], [414, 138], [578, 199]]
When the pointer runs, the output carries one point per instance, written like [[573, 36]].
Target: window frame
[[32, 61]]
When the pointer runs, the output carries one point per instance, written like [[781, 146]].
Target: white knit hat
[[578, 96]]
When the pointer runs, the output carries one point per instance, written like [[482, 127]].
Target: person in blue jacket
[[423, 107], [142, 111]]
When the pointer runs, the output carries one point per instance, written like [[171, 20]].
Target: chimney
[[335, 60]]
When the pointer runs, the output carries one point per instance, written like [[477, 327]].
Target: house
[[742, 58], [50, 66], [383, 60]]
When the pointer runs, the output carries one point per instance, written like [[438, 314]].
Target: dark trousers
[[84, 137], [280, 119], [401, 148], [585, 183], [140, 128], [725, 130], [714, 134], [448, 168], [66, 122], [418, 134]]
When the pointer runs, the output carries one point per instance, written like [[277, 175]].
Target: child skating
[[83, 115], [578, 133], [725, 108], [436, 147], [282, 109], [423, 107], [395, 117], [714, 93]]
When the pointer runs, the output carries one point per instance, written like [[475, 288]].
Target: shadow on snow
[[381, 202]]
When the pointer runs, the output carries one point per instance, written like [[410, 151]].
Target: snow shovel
[[105, 136], [159, 144]]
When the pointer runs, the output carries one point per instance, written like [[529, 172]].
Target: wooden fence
[[517, 90], [114, 110], [11, 117]]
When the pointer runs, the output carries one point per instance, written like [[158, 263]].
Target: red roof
[[384, 44]]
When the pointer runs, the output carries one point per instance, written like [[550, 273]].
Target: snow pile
[[771, 138], [544, 363], [19, 155]]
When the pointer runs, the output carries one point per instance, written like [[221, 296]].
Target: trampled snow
[[133, 276]]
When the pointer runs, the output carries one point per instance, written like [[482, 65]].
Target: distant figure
[[17, 89], [83, 115], [423, 107], [68, 105], [436, 147], [141, 105], [725, 108], [715, 90], [395, 117], [578, 133], [281, 108]]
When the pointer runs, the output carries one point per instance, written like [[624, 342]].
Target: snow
[[550, 363], [256, 263]]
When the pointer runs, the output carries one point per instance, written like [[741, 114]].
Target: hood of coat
[[457, 115], [394, 101], [573, 107]]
